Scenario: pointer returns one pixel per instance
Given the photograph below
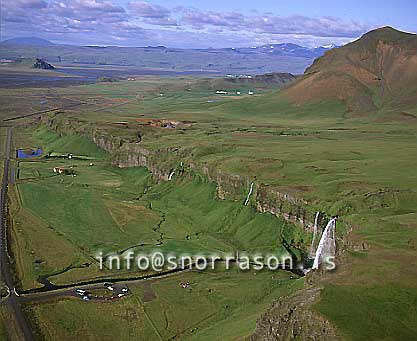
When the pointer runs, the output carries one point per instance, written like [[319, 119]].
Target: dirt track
[[6, 273]]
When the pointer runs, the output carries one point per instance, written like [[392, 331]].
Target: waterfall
[[249, 194], [170, 175], [327, 245], [316, 222]]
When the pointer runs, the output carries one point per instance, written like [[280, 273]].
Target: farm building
[[63, 171]]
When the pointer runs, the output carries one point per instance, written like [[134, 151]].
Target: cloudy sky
[[202, 24]]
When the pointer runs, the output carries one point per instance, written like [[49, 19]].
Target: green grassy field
[[216, 305], [361, 168], [106, 209]]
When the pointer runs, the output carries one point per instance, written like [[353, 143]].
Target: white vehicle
[[86, 298], [108, 286], [80, 292], [125, 290], [120, 295]]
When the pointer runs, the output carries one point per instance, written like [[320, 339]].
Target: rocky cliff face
[[162, 162], [289, 317]]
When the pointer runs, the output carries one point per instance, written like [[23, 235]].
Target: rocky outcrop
[[41, 64], [292, 318]]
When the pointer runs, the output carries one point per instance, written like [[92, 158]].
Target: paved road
[[15, 299], [5, 271]]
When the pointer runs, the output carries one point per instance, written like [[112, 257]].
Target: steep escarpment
[[287, 318], [165, 162], [171, 162], [379, 68]]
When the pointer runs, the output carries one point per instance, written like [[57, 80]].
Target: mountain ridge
[[290, 58], [33, 41], [378, 68]]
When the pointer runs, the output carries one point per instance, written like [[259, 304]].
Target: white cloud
[[143, 21]]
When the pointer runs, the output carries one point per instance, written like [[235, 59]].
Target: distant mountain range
[[28, 41], [289, 49], [284, 57]]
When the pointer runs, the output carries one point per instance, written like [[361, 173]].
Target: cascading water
[[249, 194], [313, 242], [327, 245]]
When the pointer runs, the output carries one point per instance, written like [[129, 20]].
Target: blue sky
[[201, 24]]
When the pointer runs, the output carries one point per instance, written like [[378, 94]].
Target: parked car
[[81, 292], [108, 286]]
